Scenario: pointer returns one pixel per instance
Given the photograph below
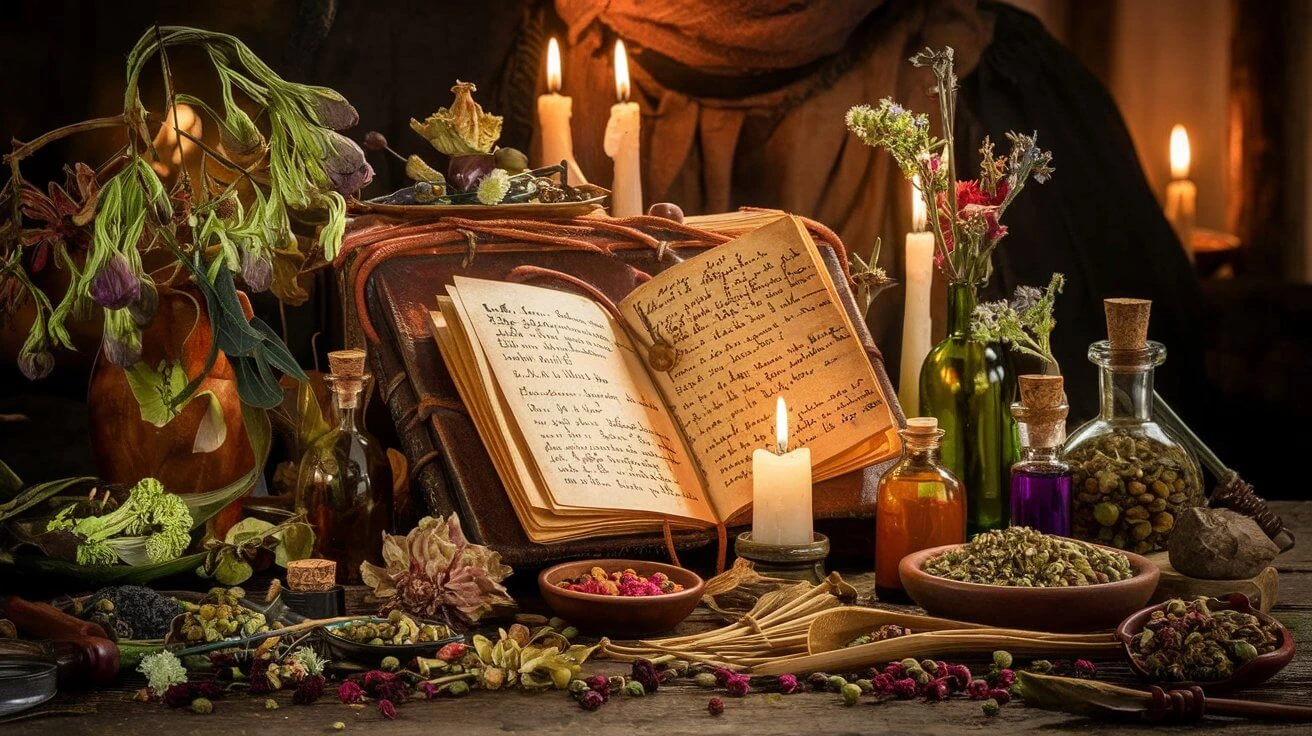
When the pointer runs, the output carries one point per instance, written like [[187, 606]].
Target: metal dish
[[25, 682], [341, 648], [401, 204]]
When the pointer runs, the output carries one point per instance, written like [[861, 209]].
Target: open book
[[591, 440]]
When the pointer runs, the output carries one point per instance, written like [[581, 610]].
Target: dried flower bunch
[[1025, 322], [627, 583], [434, 573], [965, 215], [1186, 640], [1025, 557], [258, 184]]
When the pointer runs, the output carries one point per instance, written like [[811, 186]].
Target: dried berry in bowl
[[627, 583]]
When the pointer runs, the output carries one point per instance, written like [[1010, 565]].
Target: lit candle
[[1181, 194], [916, 325], [781, 489], [554, 112], [621, 143]]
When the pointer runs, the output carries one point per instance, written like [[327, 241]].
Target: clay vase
[[126, 448]]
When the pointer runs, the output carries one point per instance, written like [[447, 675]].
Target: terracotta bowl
[[617, 616], [1255, 672], [1078, 608]]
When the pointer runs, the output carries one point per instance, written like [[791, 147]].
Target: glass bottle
[[1041, 480], [968, 386], [1132, 478], [344, 486], [920, 504]]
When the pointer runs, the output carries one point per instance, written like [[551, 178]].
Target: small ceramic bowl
[[619, 616], [341, 648], [1070, 609], [1254, 672]]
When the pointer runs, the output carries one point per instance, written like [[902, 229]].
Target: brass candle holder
[[791, 561]]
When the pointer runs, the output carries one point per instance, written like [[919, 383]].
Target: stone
[[1219, 544]]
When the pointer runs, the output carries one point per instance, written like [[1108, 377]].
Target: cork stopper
[[347, 367], [1127, 323], [1042, 410], [1042, 392], [311, 575], [922, 426]]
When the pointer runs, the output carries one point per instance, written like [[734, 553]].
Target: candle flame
[[1179, 153], [919, 216], [553, 65], [621, 71], [781, 424]]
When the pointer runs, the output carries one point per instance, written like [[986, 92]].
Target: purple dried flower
[[350, 692], [1084, 668], [1001, 695], [176, 696], [895, 670], [738, 686], [591, 700], [904, 689], [1004, 678], [123, 350], [256, 269], [309, 690], [116, 286], [386, 709], [959, 676], [345, 164], [427, 688], [330, 109], [715, 706], [788, 684], [645, 672], [883, 683], [600, 683], [817, 680], [936, 689], [977, 690], [143, 309]]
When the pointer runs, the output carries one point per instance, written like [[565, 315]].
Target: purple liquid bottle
[[1041, 481]]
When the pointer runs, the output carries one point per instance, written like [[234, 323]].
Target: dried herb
[[1023, 557], [1129, 490], [1186, 641], [398, 628]]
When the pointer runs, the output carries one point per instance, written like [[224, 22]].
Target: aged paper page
[[753, 319], [587, 412]]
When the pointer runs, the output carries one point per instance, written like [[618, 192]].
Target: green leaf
[[97, 576], [212, 430], [297, 543], [231, 569], [36, 495], [246, 529], [256, 383], [11, 484]]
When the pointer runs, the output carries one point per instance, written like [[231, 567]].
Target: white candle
[[621, 143], [916, 324], [554, 113], [781, 489], [1181, 193]]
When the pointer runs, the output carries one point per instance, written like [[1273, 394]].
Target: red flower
[[386, 709], [66, 217], [350, 692]]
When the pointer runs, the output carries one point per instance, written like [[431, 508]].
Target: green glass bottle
[[969, 387]]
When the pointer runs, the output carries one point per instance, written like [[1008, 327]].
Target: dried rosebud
[[936, 690], [386, 709], [645, 672], [1041, 666], [375, 141], [457, 688], [452, 652], [835, 683], [519, 633], [977, 690], [959, 674], [904, 689], [787, 684], [347, 169], [257, 269], [706, 680], [428, 689], [591, 700], [116, 285], [144, 308], [738, 686], [715, 706], [309, 690], [722, 675], [1004, 678], [577, 687], [816, 680], [178, 695], [1001, 695], [929, 666], [600, 683], [866, 686], [883, 683], [1085, 668], [895, 670]]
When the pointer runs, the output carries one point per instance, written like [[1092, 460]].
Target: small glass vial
[[920, 504], [1041, 481], [344, 482]]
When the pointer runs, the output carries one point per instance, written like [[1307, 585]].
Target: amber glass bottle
[[920, 505], [344, 485]]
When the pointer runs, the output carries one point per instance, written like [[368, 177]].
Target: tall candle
[[781, 489], [916, 324], [554, 112], [1181, 193], [621, 143]]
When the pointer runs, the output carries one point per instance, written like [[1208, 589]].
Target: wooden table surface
[[679, 709]]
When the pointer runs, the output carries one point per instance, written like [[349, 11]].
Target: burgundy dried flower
[[600, 683], [738, 686], [345, 164], [722, 675], [817, 680], [386, 709], [1004, 678], [591, 700], [452, 652], [788, 684], [715, 706], [260, 684], [309, 690], [211, 689], [977, 690], [1001, 695], [1084, 668], [375, 141], [895, 670], [960, 677], [904, 689], [350, 692], [427, 688], [65, 217], [177, 696], [883, 683], [936, 689], [645, 672], [116, 285]]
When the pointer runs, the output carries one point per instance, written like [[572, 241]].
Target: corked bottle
[[344, 482], [1041, 480], [919, 504], [1132, 477]]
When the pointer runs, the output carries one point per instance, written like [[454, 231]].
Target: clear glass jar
[[1132, 478], [344, 486]]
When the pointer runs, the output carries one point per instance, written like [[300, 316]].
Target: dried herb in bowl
[[1186, 641], [397, 628], [1023, 557]]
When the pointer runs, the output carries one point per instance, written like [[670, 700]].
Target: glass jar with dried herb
[[1132, 478]]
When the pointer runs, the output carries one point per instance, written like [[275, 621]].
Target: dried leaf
[[463, 128]]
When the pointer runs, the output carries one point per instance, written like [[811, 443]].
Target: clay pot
[[127, 449]]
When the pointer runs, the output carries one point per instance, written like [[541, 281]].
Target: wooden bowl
[[619, 616], [1098, 607], [1254, 672]]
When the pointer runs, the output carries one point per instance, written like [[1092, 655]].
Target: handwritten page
[[750, 320], [584, 405]]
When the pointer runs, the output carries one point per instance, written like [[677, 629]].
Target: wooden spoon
[[834, 629]]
